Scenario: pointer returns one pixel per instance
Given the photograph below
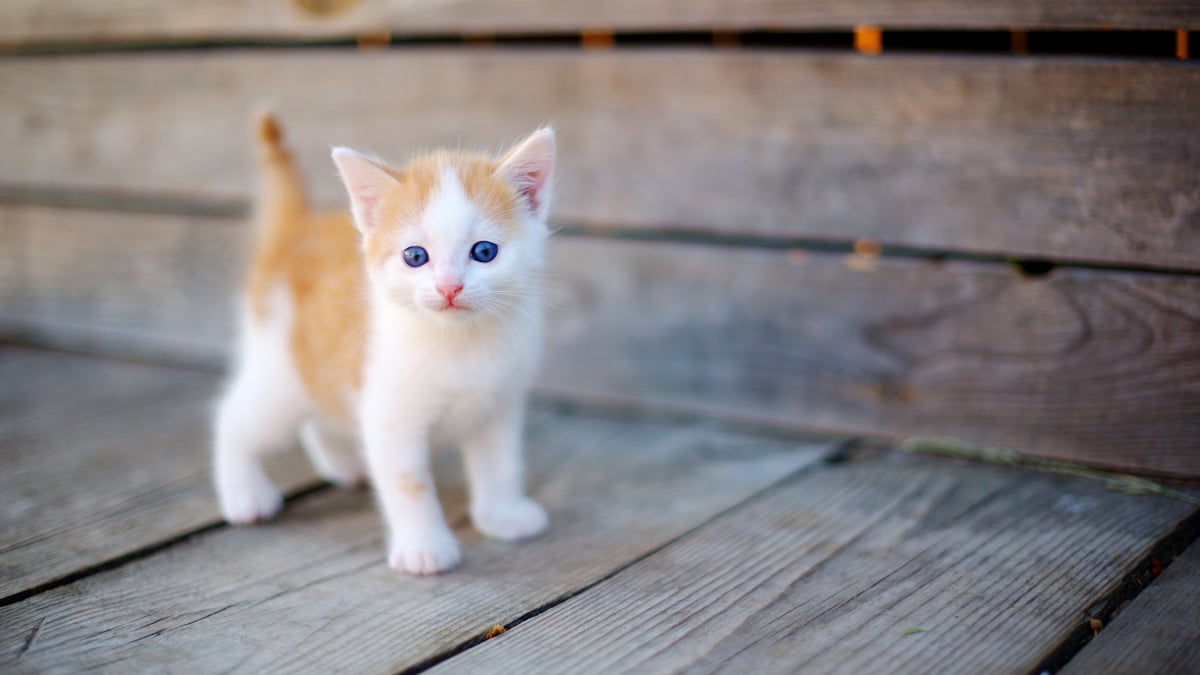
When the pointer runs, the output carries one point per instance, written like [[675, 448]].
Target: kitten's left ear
[[529, 168]]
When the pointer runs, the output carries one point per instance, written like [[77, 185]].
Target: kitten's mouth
[[453, 308]]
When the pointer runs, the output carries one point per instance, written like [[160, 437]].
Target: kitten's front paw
[[243, 503], [431, 554], [519, 519]]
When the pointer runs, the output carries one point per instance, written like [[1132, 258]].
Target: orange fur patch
[[415, 186], [410, 485]]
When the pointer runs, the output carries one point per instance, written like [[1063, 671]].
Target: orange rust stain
[[1018, 41], [1181, 44], [726, 39], [868, 247], [596, 38], [373, 41], [868, 39]]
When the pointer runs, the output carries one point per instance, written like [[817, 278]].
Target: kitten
[[414, 321]]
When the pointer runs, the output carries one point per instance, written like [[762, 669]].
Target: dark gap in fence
[[1145, 43], [1034, 269], [983, 41], [1158, 44], [861, 253]]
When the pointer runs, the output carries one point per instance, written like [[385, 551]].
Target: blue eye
[[484, 251], [415, 256]]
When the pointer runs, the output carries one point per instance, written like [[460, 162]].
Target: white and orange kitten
[[414, 322]]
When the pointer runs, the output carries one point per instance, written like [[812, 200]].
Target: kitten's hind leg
[[258, 413], [332, 455]]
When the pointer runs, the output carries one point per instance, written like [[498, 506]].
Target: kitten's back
[[314, 260]]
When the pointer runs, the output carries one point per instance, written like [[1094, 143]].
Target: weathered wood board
[[158, 285], [310, 592], [895, 564], [32, 21], [1070, 159], [100, 459], [1156, 633], [1097, 367]]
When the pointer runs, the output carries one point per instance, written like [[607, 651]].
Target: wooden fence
[[998, 247]]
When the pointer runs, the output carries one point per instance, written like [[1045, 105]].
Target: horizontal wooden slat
[[311, 592], [1091, 366], [30, 21], [1087, 366], [136, 435], [893, 565], [1154, 633], [1068, 159], [142, 284]]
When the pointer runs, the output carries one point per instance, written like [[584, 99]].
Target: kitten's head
[[454, 236]]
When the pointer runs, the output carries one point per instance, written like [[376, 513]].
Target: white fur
[[460, 379], [261, 408], [430, 377]]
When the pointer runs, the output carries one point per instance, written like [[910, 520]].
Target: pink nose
[[449, 291]]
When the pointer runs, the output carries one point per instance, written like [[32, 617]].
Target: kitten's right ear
[[366, 181]]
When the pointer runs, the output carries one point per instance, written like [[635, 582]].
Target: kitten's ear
[[366, 181], [529, 168]]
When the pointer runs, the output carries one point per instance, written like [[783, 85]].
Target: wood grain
[[310, 592], [147, 285], [1089, 366], [1156, 632], [829, 572], [100, 459], [33, 21], [1089, 160]]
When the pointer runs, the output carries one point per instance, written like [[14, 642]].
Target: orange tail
[[281, 198], [281, 210]]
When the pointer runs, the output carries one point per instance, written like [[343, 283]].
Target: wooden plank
[[1092, 160], [829, 572], [1156, 633], [101, 458], [310, 592], [142, 284], [1088, 366], [33, 21]]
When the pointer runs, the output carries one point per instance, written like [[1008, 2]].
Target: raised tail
[[281, 213], [282, 201]]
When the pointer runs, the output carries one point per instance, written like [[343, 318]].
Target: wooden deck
[[674, 545]]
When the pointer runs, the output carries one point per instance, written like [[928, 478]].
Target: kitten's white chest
[[444, 383]]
